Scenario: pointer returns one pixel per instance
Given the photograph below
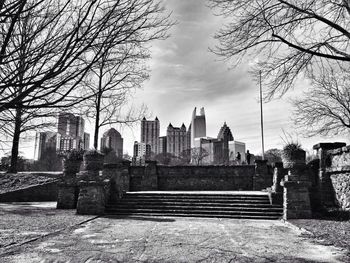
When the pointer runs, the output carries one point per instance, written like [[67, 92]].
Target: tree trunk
[[97, 108], [15, 141]]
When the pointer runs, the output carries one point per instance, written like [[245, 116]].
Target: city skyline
[[185, 74]]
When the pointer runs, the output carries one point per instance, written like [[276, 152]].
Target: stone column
[[92, 199], [296, 199], [67, 187], [325, 190], [261, 174]]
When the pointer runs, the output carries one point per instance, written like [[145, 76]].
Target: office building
[[150, 134], [112, 139]]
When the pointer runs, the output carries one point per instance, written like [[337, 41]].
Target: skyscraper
[[198, 126], [162, 144], [71, 131], [46, 141], [176, 139], [112, 139], [150, 133]]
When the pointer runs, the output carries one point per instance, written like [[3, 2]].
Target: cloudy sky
[[184, 75]]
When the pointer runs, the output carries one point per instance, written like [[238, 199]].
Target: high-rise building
[[71, 130], [45, 141], [150, 133], [176, 139], [112, 139], [217, 150], [162, 144], [198, 126], [86, 141], [142, 152]]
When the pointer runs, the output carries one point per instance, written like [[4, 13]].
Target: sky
[[185, 74]]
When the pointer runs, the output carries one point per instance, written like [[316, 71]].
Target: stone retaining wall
[[36, 193], [338, 168], [191, 178]]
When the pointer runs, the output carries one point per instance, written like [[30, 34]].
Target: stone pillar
[[118, 174], [325, 189], [261, 174], [296, 196], [92, 199], [67, 187]]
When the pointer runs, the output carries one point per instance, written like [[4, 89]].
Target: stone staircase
[[253, 205]]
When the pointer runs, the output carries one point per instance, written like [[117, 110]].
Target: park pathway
[[175, 239]]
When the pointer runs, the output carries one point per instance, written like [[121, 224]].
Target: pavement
[[157, 239]]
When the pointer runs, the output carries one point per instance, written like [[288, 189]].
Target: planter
[[71, 166], [93, 161], [293, 158]]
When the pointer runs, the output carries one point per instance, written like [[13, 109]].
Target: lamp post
[[261, 119]]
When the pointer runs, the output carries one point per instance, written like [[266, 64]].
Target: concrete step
[[196, 207], [185, 203], [210, 204], [193, 211], [254, 217], [195, 201]]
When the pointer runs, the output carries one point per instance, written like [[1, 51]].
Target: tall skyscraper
[[71, 130], [176, 139], [150, 133], [142, 152], [162, 144], [45, 141], [112, 139], [198, 126]]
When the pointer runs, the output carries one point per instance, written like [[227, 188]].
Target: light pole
[[261, 119]]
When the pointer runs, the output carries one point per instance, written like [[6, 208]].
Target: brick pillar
[[261, 175], [325, 189], [67, 187], [92, 196]]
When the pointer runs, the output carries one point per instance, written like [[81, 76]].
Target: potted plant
[[293, 154], [93, 160], [72, 160]]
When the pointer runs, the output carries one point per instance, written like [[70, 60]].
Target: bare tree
[[63, 40], [111, 82], [325, 109], [15, 123], [290, 37], [198, 154]]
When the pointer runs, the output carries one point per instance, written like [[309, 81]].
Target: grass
[[332, 228]]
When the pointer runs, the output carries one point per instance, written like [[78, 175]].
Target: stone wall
[[36, 193], [191, 178], [338, 169]]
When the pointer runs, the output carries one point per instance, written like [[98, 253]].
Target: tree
[[61, 42], [49, 46], [325, 109], [290, 37], [198, 154], [15, 123], [273, 155]]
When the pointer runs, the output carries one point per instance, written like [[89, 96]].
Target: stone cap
[[329, 145], [260, 161]]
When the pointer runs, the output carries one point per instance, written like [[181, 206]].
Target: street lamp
[[261, 118]]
